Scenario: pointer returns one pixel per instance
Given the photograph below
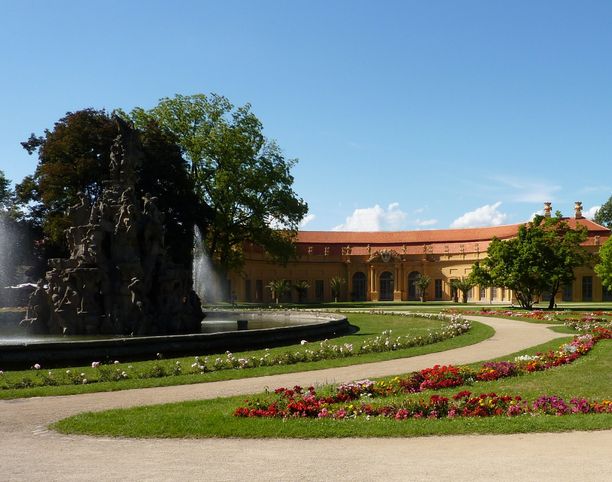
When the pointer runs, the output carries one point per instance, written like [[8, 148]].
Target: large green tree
[[603, 215], [604, 267], [541, 258], [240, 175], [75, 155]]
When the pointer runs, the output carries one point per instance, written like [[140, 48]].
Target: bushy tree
[[335, 285], [75, 155], [301, 287], [278, 288], [604, 267], [421, 284], [463, 285], [542, 257], [240, 175], [603, 215]]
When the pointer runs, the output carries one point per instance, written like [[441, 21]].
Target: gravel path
[[28, 451]]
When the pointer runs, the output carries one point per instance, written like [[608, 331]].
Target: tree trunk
[[553, 294]]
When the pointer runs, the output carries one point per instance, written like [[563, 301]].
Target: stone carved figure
[[79, 213], [118, 278]]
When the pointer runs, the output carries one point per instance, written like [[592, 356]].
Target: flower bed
[[582, 322], [297, 403], [354, 399]]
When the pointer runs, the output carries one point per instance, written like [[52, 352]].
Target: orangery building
[[383, 266]]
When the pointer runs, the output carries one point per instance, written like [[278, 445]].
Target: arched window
[[386, 286], [359, 286], [413, 293]]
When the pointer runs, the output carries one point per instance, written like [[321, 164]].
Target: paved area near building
[[29, 451]]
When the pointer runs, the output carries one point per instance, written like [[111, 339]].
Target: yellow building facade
[[382, 266]]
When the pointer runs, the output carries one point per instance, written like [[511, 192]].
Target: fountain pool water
[[220, 332]]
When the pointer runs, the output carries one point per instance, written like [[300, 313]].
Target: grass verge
[[369, 326]]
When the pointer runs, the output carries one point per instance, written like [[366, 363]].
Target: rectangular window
[[319, 290], [483, 292], [286, 296], [248, 296], [587, 288], [606, 293], [258, 291], [438, 289], [493, 293], [568, 292]]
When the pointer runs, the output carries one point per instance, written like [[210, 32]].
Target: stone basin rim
[[324, 325]]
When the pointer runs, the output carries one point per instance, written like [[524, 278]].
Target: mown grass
[[369, 326], [589, 376]]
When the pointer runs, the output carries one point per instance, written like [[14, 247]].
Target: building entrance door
[[386, 286]]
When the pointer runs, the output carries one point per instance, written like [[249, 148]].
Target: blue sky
[[403, 114]]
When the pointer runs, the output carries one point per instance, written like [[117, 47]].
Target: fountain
[[207, 282], [119, 295], [119, 278]]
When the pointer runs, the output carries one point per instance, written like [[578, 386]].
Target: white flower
[[95, 364], [303, 342], [36, 366], [84, 381], [116, 362]]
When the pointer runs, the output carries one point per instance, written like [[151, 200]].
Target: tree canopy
[[5, 189], [8, 202], [74, 157], [603, 215], [604, 267], [240, 175], [541, 258]]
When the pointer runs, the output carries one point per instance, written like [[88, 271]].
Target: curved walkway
[[29, 451]]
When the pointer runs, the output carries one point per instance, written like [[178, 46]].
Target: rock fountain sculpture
[[118, 278]]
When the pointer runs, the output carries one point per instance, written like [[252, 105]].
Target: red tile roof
[[472, 239]]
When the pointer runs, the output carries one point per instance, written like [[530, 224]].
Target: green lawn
[[590, 376], [369, 326]]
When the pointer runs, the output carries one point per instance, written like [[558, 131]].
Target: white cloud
[[486, 215], [590, 213], [307, 219], [426, 222], [522, 190], [374, 219]]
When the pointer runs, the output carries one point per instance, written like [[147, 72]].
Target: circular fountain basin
[[221, 331]]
